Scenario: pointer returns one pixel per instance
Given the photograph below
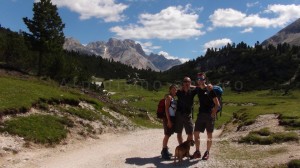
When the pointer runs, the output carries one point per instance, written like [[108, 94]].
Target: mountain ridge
[[125, 51]]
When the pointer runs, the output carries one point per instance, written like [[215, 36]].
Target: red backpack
[[160, 112]]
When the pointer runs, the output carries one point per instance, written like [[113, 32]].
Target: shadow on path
[[158, 162]]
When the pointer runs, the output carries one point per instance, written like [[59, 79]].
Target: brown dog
[[183, 150]]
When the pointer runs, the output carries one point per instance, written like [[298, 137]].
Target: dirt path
[[133, 149]]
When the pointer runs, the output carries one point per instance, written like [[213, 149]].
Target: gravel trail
[[139, 148]]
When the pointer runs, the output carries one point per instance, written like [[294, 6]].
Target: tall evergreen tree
[[46, 29]]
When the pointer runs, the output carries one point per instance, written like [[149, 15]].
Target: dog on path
[[183, 150]]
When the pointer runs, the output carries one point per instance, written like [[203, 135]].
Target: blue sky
[[175, 28]]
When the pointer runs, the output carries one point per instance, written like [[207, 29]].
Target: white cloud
[[170, 23], [247, 30], [217, 43], [168, 56], [249, 5], [209, 29], [232, 18], [107, 10], [148, 47]]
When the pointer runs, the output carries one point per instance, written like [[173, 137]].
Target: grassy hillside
[[21, 94]]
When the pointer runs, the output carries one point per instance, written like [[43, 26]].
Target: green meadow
[[244, 106], [18, 95]]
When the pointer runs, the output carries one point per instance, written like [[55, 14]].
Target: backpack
[[219, 92], [160, 112]]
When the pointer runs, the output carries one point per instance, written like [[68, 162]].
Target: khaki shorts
[[186, 121]]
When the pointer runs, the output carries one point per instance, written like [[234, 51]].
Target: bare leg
[[197, 140], [190, 137], [165, 141], [209, 140], [179, 138]]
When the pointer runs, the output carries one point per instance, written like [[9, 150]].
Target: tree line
[[243, 67]]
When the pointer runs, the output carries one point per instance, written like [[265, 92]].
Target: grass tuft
[[295, 163], [263, 132], [44, 129], [265, 137], [84, 114]]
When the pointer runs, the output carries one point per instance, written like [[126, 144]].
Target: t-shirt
[[185, 100], [206, 100], [173, 107]]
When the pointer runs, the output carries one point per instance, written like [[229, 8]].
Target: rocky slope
[[162, 62], [129, 53], [289, 34]]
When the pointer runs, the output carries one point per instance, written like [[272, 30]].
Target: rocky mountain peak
[[292, 28], [125, 51], [289, 34]]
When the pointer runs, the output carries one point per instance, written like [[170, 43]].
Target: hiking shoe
[[170, 154], [205, 156], [167, 151], [165, 154], [196, 155]]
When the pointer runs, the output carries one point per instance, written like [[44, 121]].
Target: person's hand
[[214, 113], [210, 87], [169, 124]]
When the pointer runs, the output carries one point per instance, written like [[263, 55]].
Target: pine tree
[[46, 29]]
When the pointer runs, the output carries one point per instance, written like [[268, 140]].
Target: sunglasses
[[201, 79]]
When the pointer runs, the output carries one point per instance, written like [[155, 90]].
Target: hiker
[[209, 105], [169, 120], [184, 110]]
